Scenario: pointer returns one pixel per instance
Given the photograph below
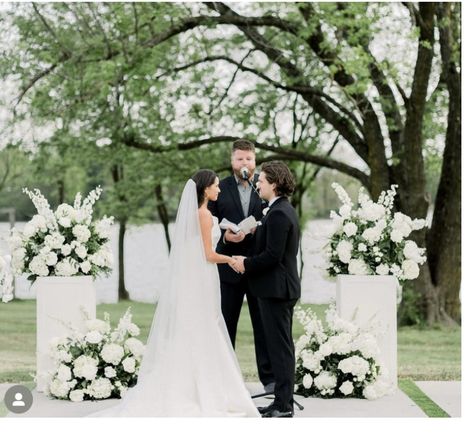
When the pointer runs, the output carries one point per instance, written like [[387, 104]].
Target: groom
[[238, 200], [273, 278]]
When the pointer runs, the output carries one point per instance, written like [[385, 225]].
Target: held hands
[[234, 237], [238, 264]]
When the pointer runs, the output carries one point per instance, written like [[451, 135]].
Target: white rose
[[129, 365], [382, 269], [344, 249], [350, 229], [39, 221], [135, 346], [325, 381], [371, 235], [66, 249], [76, 395], [412, 252], [85, 267], [81, 232], [110, 372], [29, 230], [307, 381], [396, 236], [346, 388], [51, 259], [325, 349], [355, 365], [64, 373], [410, 269], [64, 222], [358, 267]]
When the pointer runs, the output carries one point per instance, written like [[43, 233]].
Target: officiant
[[238, 200]]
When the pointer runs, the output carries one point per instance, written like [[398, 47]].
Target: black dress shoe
[[266, 409], [274, 412]]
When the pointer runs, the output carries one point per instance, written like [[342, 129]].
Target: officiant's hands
[[239, 266], [234, 237]]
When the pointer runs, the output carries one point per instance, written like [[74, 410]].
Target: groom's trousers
[[232, 301], [277, 323]]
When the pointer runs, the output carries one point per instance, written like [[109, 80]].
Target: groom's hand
[[239, 265], [234, 237]]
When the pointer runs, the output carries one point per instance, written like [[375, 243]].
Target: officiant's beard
[[240, 176]]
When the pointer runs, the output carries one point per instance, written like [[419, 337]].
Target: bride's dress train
[[190, 367]]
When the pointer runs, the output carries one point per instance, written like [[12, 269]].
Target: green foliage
[[409, 311]]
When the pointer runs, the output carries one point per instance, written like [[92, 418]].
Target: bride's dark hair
[[203, 178]]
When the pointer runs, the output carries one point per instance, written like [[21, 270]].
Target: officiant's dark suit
[[236, 203], [273, 277]]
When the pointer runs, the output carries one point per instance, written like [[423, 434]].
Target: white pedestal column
[[372, 299], [60, 303]]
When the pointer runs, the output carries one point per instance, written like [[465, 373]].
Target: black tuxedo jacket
[[228, 205], [272, 270]]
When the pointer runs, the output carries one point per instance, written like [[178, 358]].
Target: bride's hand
[[233, 264]]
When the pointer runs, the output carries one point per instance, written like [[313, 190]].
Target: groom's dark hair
[[276, 172], [203, 178]]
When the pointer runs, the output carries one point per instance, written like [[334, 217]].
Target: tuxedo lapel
[[236, 196]]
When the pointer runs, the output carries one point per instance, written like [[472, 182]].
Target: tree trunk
[[123, 294], [163, 213], [444, 238], [61, 191]]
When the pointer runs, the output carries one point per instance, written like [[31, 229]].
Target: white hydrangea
[[85, 367], [38, 267], [100, 388], [110, 372], [59, 388], [354, 365], [112, 353], [66, 267], [66, 250], [81, 251], [129, 364], [94, 337], [97, 325], [371, 235]]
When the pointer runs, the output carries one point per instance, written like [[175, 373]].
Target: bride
[[189, 367]]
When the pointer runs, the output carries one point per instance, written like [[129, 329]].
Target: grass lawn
[[423, 354]]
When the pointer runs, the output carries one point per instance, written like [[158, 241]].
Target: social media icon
[[18, 399]]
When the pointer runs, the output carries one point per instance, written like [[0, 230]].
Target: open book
[[245, 226]]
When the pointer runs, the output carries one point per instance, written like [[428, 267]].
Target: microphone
[[245, 174]]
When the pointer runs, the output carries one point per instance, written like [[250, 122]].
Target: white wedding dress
[[189, 367]]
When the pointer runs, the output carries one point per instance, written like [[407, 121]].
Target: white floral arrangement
[[6, 279], [372, 240], [97, 364], [65, 242], [338, 361]]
